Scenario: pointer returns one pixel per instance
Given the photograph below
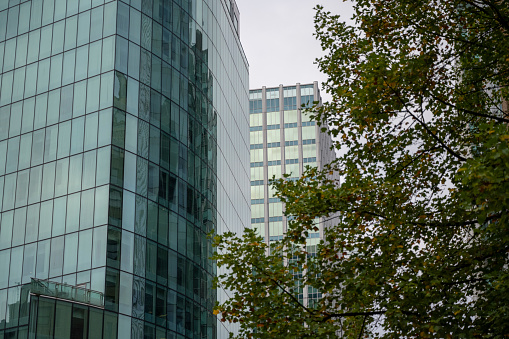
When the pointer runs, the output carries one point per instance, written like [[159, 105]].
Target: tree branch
[[423, 124], [283, 289], [500, 17], [362, 328], [477, 114], [435, 224], [456, 224], [356, 314], [413, 160], [464, 281], [352, 314]]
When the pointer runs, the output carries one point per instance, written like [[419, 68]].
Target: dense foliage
[[422, 243]]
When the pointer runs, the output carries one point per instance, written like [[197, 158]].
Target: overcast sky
[[277, 36]]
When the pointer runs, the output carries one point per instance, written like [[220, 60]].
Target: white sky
[[277, 36]]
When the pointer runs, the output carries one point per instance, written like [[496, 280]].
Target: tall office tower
[[123, 142], [283, 140]]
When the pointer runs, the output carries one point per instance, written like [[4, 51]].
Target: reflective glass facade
[[283, 140], [123, 142]]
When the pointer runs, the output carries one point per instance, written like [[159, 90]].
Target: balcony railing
[[66, 292]]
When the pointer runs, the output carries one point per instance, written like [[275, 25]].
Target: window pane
[[68, 70], [45, 319], [46, 214], [91, 125], [30, 83], [83, 28], [71, 253], [25, 151], [6, 230], [38, 147], [106, 99], [45, 45], [87, 209], [100, 247], [77, 135], [6, 90], [57, 256], [89, 166], [93, 94], [134, 61], [60, 8], [132, 96], [73, 210], [84, 5], [130, 172], [110, 11], [58, 37], [3, 24], [41, 106], [80, 96], [58, 227], [47, 11], [63, 319], [81, 62], [61, 177], [64, 136], [131, 133], [48, 181], [22, 188], [123, 20], [19, 84], [12, 22], [9, 191], [16, 269], [12, 151], [50, 147], [126, 298], [127, 251], [53, 107], [75, 170], [34, 192], [33, 46], [103, 166], [42, 266], [94, 58], [72, 7], [85, 250], [101, 206], [10, 52], [95, 323], [27, 123], [96, 25], [71, 29], [29, 262], [56, 72]]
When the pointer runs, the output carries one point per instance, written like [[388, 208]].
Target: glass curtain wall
[[122, 124]]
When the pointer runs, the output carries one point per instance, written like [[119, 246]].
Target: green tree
[[422, 243]]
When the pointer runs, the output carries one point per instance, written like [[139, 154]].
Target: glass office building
[[123, 142], [284, 140]]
